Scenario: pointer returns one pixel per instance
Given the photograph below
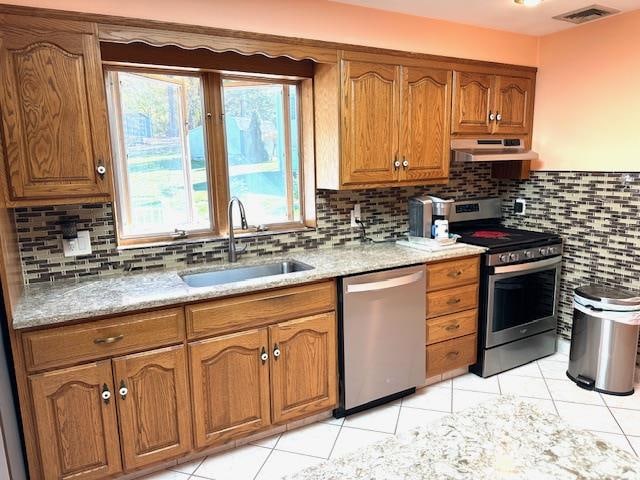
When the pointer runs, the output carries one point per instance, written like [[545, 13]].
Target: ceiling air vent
[[587, 14]]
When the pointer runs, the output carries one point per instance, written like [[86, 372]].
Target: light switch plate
[[77, 246]]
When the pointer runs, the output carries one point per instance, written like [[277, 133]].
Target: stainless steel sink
[[219, 277]]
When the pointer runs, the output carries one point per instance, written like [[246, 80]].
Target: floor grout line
[[265, 462], [553, 400], [336, 439]]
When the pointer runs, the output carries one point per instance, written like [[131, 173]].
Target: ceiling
[[496, 14]]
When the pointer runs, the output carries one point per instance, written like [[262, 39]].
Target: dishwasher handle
[[384, 284]]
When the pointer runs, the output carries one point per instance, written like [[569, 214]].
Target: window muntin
[[162, 169], [262, 134]]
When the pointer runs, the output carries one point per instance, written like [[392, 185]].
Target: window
[[185, 143], [162, 174], [262, 145]]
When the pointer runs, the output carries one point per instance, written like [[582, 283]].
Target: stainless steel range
[[520, 279]]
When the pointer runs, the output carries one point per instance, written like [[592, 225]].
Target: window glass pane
[[261, 127], [164, 183]]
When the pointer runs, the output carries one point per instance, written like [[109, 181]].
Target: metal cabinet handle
[[101, 168], [453, 301], [108, 340], [106, 394], [396, 164], [498, 117], [492, 116], [452, 328], [123, 391], [455, 274], [264, 356], [453, 354], [405, 163], [276, 351]]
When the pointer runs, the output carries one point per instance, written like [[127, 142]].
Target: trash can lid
[[609, 296]]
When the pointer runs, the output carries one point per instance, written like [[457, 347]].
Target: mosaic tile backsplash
[[384, 210]]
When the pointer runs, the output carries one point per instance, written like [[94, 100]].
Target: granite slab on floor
[[48, 304], [502, 439]]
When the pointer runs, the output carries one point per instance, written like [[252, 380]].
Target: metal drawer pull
[[453, 354], [264, 356], [451, 328], [123, 390], [453, 301], [276, 351], [108, 340], [106, 394], [455, 274]]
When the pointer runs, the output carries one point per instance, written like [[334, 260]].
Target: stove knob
[[552, 251], [528, 254], [503, 258], [543, 251], [514, 257]]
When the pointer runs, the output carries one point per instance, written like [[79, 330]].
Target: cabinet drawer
[[452, 274], [451, 326], [452, 354], [452, 300], [259, 309], [103, 338]]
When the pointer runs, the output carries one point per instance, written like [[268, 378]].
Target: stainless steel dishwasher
[[381, 337]]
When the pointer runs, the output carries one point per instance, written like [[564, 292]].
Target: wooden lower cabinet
[[76, 427], [230, 385], [304, 374], [452, 354], [154, 414]]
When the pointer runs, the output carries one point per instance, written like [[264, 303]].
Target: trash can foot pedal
[[585, 382]]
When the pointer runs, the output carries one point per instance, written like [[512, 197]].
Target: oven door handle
[[524, 267]]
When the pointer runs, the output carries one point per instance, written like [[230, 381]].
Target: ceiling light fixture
[[528, 3]]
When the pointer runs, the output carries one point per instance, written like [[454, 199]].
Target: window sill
[[239, 235]]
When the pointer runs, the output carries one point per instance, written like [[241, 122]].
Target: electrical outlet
[[81, 245], [355, 214], [520, 206]]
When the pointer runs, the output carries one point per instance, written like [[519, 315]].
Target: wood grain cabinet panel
[[452, 273], [154, 413], [370, 117], [76, 428], [425, 147], [514, 102], [445, 356], [230, 386], [444, 302], [54, 111], [303, 366], [473, 99]]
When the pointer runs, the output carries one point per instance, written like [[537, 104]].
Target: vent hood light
[[528, 3]]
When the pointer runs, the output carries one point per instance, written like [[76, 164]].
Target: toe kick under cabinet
[[116, 396], [452, 314]]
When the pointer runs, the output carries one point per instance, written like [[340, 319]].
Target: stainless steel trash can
[[604, 339]]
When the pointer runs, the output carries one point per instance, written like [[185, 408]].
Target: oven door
[[522, 300]]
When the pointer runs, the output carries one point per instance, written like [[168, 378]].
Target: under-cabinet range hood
[[490, 150]]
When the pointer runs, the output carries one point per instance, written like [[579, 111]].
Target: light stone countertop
[[506, 438], [52, 303]]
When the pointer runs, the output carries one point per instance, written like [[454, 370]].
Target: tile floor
[[616, 419]]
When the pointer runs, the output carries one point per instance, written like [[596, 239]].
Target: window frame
[[216, 154]]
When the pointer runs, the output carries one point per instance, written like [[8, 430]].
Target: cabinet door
[[370, 116], [426, 112], [472, 102], [54, 110], [154, 413], [76, 427], [303, 366], [230, 385], [514, 101]]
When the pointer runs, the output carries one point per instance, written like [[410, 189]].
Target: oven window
[[523, 299]]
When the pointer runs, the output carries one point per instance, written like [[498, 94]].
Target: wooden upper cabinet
[[303, 366], [473, 98], [77, 429], [230, 386], [425, 147], [514, 105], [54, 111], [370, 117], [154, 412]]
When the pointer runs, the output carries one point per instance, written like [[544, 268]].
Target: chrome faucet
[[233, 253]]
